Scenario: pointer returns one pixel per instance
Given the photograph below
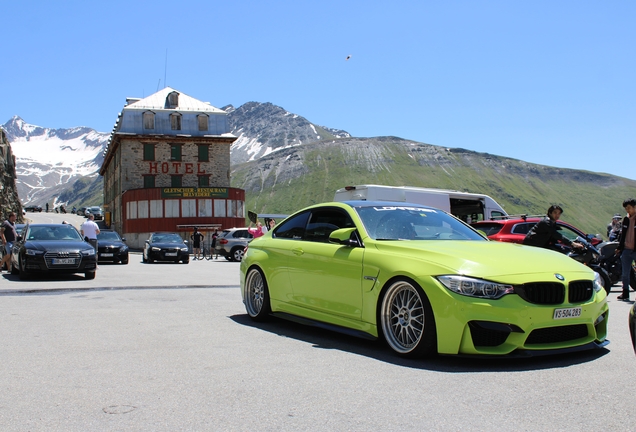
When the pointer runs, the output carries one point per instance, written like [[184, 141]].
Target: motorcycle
[[611, 262], [589, 255]]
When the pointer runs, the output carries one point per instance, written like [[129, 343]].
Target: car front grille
[[542, 292], [580, 291], [50, 256], [557, 334]]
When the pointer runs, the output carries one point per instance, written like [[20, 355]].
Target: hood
[[110, 243], [57, 245], [165, 245], [485, 259]]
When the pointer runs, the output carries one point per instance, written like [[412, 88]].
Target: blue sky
[[543, 81]]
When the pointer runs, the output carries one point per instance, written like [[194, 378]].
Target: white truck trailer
[[469, 207]]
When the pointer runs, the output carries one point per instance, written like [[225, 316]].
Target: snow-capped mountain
[[48, 161], [263, 128]]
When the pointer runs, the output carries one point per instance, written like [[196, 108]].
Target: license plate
[[58, 261], [171, 254], [567, 313], [107, 255]]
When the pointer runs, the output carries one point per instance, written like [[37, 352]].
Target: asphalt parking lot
[[169, 347]]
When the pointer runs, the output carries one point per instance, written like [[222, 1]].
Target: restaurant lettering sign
[[194, 192]]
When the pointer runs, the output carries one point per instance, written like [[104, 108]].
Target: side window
[[522, 228], [567, 232], [324, 221], [242, 234], [293, 228]]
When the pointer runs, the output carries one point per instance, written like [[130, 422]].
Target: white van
[[469, 207]]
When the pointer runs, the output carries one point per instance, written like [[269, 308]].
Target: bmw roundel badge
[[559, 277]]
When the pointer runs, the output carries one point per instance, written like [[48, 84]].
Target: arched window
[[175, 121], [149, 120], [203, 122], [172, 101]]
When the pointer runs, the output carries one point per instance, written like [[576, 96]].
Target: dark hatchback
[[111, 247], [52, 249], [165, 246]]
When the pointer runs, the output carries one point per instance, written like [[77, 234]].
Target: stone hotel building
[[167, 168]]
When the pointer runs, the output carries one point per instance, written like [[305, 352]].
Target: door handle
[[298, 251]]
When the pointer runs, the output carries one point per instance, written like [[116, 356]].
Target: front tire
[[237, 254], [257, 302], [23, 273], [89, 275], [407, 321]]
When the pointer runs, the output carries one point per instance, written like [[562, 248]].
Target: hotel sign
[[193, 192]]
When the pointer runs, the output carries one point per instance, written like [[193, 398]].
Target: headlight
[[475, 287], [123, 248], [155, 249], [88, 252], [34, 252], [184, 249], [598, 282]]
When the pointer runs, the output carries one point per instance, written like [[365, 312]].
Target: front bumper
[[512, 325], [114, 255]]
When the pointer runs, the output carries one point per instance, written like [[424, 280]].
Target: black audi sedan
[[52, 249], [166, 246], [111, 247]]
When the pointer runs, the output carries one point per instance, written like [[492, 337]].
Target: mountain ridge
[[285, 162]]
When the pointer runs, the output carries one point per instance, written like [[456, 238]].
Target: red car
[[514, 230]]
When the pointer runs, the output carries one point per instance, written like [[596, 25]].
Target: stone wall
[[9, 200]]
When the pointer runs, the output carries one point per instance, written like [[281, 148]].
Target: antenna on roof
[[158, 84], [165, 70]]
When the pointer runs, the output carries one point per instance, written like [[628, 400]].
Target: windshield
[[108, 235], [166, 238], [61, 232], [413, 223]]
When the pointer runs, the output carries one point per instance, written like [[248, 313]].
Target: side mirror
[[18, 238], [123, 239], [342, 236]]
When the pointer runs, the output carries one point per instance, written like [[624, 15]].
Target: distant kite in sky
[[348, 57]]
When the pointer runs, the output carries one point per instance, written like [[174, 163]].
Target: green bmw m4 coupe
[[423, 281]]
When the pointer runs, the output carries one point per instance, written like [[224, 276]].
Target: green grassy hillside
[[293, 178]]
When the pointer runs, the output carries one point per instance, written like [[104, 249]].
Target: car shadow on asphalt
[[326, 339]]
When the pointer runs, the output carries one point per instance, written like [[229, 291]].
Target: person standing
[[196, 238], [213, 244], [626, 244], [256, 232], [89, 230], [9, 236], [614, 228], [545, 233]]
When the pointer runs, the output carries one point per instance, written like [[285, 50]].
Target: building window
[[149, 120], [131, 210], [204, 153], [156, 208], [204, 180], [172, 208], [172, 101], [188, 208], [175, 152], [149, 181], [176, 180], [203, 122], [142, 209], [219, 208], [149, 152], [205, 207], [175, 121]]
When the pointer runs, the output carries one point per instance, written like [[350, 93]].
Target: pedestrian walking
[[626, 245], [9, 236], [89, 230], [213, 244], [196, 238]]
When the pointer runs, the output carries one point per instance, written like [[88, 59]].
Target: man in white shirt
[[89, 229]]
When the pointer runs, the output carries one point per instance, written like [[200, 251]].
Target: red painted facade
[[177, 224]]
